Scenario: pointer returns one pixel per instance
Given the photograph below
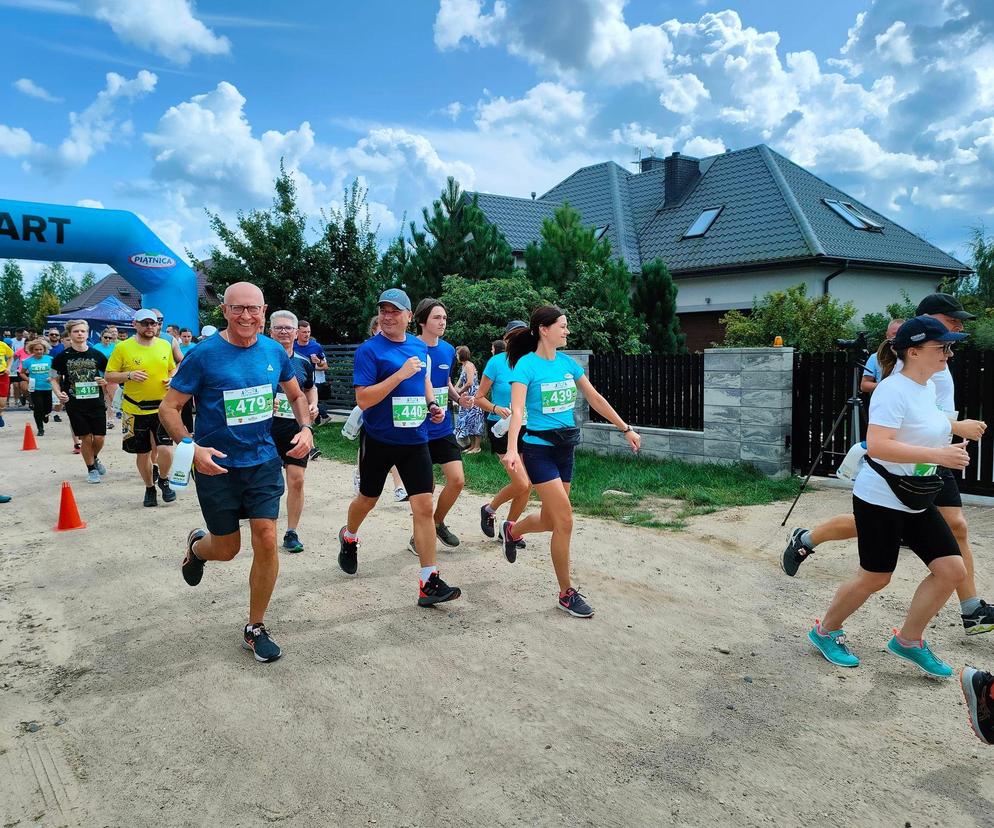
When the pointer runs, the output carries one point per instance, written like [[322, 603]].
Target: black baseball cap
[[944, 303], [922, 329], [513, 325]]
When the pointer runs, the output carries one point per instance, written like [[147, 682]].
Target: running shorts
[[86, 420], [949, 496], [282, 435], [444, 450], [545, 463], [498, 445], [241, 494], [882, 531], [413, 463], [4, 385], [137, 431]]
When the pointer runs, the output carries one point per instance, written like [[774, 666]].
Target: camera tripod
[[854, 405]]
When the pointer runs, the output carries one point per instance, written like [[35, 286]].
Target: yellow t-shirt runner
[[156, 360], [6, 354]]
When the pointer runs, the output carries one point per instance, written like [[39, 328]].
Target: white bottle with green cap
[[179, 475]]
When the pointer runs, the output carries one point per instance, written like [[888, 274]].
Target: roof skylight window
[[703, 223], [853, 216]]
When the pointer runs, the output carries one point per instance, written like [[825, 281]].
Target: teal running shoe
[[921, 656], [833, 646]]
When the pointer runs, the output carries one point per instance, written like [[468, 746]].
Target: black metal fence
[[662, 391], [341, 393], [823, 382]]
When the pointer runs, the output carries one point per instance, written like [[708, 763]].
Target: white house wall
[[870, 291]]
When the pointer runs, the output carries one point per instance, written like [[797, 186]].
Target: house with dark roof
[[733, 227], [113, 284]]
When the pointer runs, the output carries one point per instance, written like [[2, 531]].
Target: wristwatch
[[433, 404], [309, 425], [627, 429]]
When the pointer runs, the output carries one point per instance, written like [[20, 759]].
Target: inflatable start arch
[[53, 232]]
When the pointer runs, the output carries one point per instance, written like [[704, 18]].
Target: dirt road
[[691, 698]]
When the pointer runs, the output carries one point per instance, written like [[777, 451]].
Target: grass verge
[[655, 493]]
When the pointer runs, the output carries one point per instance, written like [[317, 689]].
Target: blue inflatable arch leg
[[54, 232]]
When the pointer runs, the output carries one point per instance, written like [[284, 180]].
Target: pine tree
[[654, 300], [64, 285], [13, 303], [553, 262], [88, 280], [48, 305]]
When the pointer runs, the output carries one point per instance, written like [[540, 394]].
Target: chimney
[[681, 173], [650, 163]]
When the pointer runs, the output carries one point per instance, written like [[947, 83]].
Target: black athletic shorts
[[883, 531], [87, 419], [241, 494], [413, 464], [137, 431], [282, 435], [949, 496], [498, 445], [444, 450]]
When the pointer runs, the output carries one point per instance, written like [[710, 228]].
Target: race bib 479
[[248, 405]]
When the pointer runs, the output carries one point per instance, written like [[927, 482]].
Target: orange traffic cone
[[29, 439], [68, 513]]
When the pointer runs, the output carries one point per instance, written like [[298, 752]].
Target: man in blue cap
[[393, 388]]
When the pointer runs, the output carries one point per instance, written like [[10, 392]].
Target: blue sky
[[166, 107]]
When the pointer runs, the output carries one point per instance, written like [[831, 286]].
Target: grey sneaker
[[411, 547], [575, 604], [444, 534], [981, 620], [101, 468], [795, 553]]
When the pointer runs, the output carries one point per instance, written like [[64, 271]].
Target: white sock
[[426, 572]]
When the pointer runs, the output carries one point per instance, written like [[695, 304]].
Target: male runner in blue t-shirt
[[234, 377], [394, 391], [431, 318], [283, 328]]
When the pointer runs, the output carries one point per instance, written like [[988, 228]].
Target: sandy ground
[[125, 699]]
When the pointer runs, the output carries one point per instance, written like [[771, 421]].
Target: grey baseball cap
[[145, 315], [513, 325], [395, 297]]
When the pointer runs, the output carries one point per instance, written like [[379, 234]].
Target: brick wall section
[[747, 414]]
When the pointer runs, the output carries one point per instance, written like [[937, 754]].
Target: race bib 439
[[248, 405], [558, 396], [408, 412]]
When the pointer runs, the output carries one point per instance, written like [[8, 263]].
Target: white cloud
[[90, 202], [700, 146], [682, 94], [205, 146], [895, 45], [453, 110], [635, 135], [459, 20], [548, 108], [28, 87], [90, 131], [166, 27]]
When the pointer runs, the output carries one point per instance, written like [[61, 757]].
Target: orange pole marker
[[68, 513], [29, 439]]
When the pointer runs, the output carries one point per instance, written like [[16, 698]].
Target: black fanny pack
[[559, 436], [913, 491]]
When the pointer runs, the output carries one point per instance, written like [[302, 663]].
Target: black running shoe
[[348, 554], [291, 543], [314, 454], [444, 534], [981, 620], [487, 520], [57, 418], [155, 474], [795, 553], [976, 687], [150, 497], [193, 567], [521, 543], [510, 543], [256, 638], [168, 495], [435, 591], [575, 604]]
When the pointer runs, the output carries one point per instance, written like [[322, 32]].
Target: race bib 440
[[248, 405], [558, 396], [408, 412]]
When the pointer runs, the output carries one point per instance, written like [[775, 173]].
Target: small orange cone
[[68, 513], [29, 439]]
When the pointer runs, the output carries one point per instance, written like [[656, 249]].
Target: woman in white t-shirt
[[909, 436]]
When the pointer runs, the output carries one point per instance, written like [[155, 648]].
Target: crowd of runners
[[249, 403]]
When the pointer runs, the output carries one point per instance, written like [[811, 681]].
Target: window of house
[[601, 232], [853, 216], [703, 223]]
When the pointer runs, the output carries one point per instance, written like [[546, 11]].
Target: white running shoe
[[93, 476], [355, 482], [400, 494]]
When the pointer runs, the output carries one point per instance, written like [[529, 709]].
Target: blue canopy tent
[[108, 311]]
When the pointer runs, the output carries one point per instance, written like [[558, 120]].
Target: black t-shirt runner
[[78, 372]]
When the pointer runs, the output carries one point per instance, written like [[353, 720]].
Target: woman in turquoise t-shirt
[[36, 371], [545, 382]]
